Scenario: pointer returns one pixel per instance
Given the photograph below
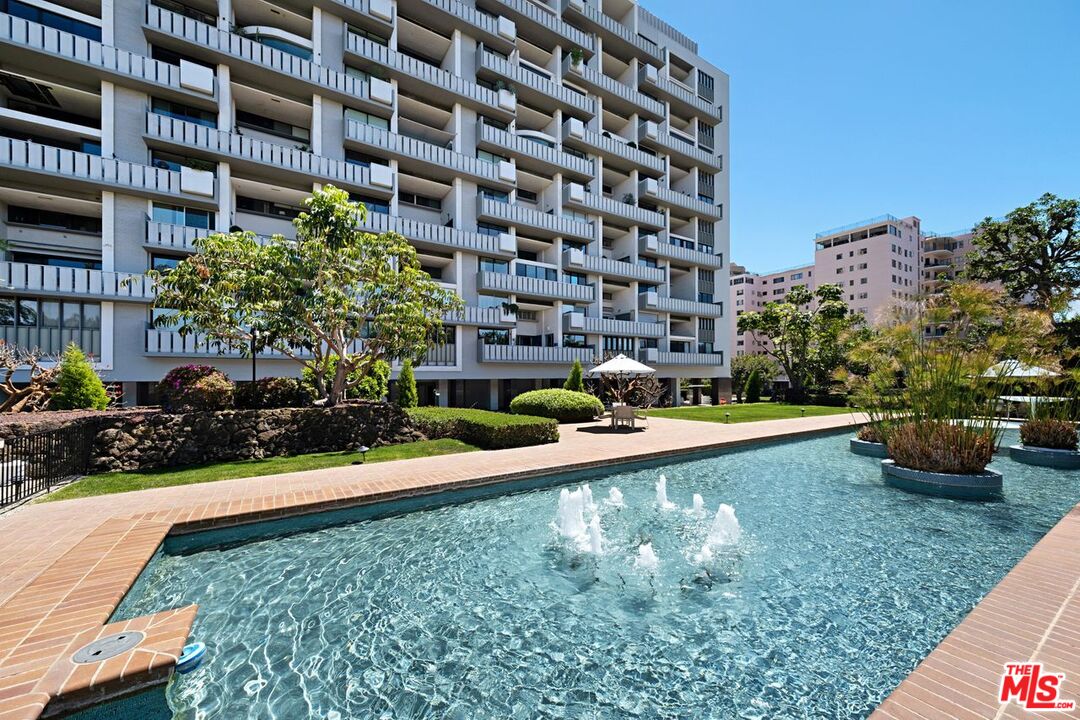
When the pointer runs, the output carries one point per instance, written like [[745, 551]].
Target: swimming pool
[[829, 593]]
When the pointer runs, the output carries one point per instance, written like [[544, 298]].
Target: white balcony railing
[[75, 282], [531, 354], [535, 287]]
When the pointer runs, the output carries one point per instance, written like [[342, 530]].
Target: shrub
[[78, 387], [870, 433], [574, 380], [272, 392], [371, 386], [483, 428], [195, 387], [753, 387], [1049, 433], [942, 447], [561, 405], [407, 387]]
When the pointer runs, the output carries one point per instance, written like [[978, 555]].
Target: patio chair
[[623, 415], [642, 414]]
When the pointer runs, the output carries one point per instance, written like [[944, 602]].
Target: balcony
[[614, 33], [52, 341], [259, 155], [661, 136], [50, 281], [534, 287], [530, 85], [543, 223], [424, 79], [73, 169], [547, 23], [682, 98], [576, 196], [534, 155], [173, 237], [432, 160], [376, 14], [675, 199], [617, 153], [482, 317], [105, 61], [655, 302], [291, 73], [580, 323], [653, 246], [617, 95], [533, 354], [610, 267], [440, 236], [497, 32], [172, 344], [652, 356]]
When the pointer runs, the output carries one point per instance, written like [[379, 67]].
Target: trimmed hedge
[[189, 388], [562, 405], [272, 392], [483, 428]]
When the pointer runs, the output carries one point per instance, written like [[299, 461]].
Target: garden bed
[[1045, 457], [977, 486]]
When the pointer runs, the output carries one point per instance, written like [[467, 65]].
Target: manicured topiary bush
[[1049, 433], [406, 386], [272, 392], [561, 405], [574, 380], [753, 387], [483, 428], [195, 387], [78, 387]]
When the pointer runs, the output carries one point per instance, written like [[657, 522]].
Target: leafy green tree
[[808, 344], [78, 387], [373, 384], [753, 387], [334, 292], [1034, 252], [407, 386], [743, 365], [574, 380]]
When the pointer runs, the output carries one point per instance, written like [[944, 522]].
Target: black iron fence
[[34, 463]]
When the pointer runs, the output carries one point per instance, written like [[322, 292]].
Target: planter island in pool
[[868, 449], [1045, 457], [982, 486]]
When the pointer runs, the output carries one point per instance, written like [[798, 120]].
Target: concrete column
[[493, 394], [444, 392], [108, 120], [225, 102], [108, 231], [225, 15], [673, 391], [225, 197], [316, 122]]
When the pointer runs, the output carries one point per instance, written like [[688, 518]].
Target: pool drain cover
[[107, 647]]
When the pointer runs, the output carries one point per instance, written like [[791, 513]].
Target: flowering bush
[[195, 387], [1049, 433]]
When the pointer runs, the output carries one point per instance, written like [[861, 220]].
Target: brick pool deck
[[65, 566]]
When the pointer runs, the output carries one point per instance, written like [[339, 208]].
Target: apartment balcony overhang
[[581, 323], [533, 155], [499, 32], [170, 343], [618, 153], [617, 96], [265, 159], [538, 223], [683, 99], [37, 164], [441, 237], [532, 354], [18, 278], [377, 15], [531, 86], [522, 286], [576, 196], [249, 61], [428, 159], [615, 35], [578, 261], [660, 136], [424, 80], [58, 53], [547, 25], [482, 317], [670, 198], [655, 246], [653, 356], [655, 302]]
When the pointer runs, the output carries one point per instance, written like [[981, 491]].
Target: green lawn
[[166, 477], [745, 413]]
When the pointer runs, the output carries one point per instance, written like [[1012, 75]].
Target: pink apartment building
[[750, 291], [944, 256]]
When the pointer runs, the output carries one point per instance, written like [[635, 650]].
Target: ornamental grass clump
[[941, 447], [870, 434], [1051, 433]]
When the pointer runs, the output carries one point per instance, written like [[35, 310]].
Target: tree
[[78, 387], [753, 387], [743, 365], [36, 393], [574, 380], [337, 299], [809, 345], [1034, 252], [407, 386]]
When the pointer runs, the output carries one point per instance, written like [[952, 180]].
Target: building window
[[494, 265], [367, 119], [55, 260], [266, 207], [183, 216], [51, 19], [187, 113], [491, 230], [52, 220]]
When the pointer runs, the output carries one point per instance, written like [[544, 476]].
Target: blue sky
[[950, 110]]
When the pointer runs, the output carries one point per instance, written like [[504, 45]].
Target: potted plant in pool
[[1049, 442], [928, 394], [869, 441]]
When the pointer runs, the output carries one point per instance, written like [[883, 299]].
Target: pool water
[[836, 589]]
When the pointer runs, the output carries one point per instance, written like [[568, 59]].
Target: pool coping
[[66, 602]]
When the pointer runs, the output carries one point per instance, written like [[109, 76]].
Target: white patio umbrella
[[621, 365], [1018, 370]]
